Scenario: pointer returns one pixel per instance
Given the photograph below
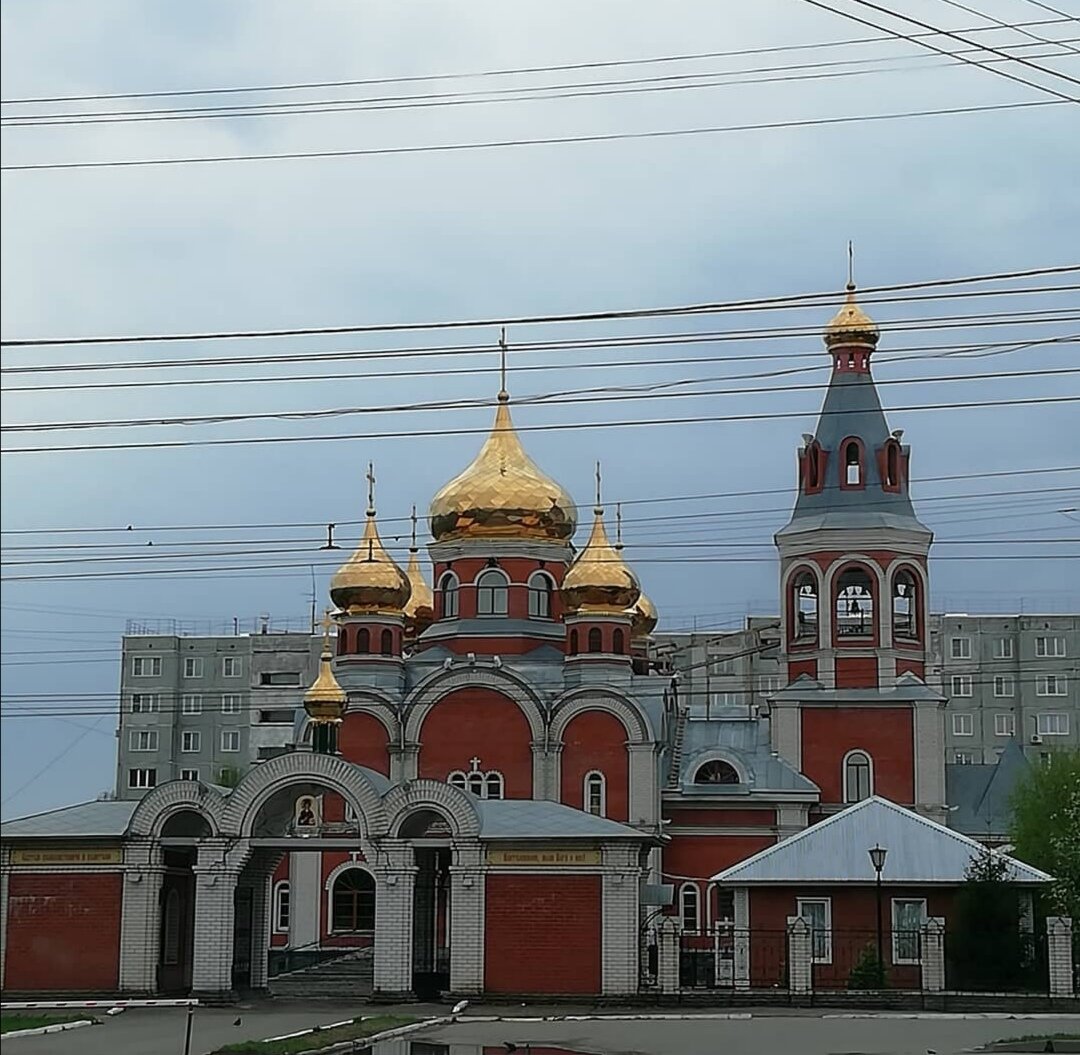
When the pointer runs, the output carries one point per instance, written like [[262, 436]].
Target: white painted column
[[643, 794], [742, 938], [394, 884], [667, 961], [786, 732], [620, 948], [140, 918], [1059, 952], [933, 954], [546, 771], [467, 921], [260, 929], [305, 899], [929, 751], [800, 961], [216, 873]]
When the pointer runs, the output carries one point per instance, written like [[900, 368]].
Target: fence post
[[933, 955], [1059, 952], [668, 942], [800, 966]]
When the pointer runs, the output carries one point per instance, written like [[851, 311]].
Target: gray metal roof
[[979, 795], [87, 819], [908, 689], [920, 851], [530, 819]]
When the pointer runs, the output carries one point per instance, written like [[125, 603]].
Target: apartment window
[[963, 725], [1052, 724], [190, 704], [144, 703], [230, 704], [189, 774], [230, 740], [193, 667], [689, 906], [719, 667], [961, 685], [277, 716], [1051, 685], [1004, 685], [963, 758], [281, 907], [908, 916], [190, 740], [1049, 647], [595, 794], [143, 740], [1005, 724], [960, 647], [279, 679], [231, 667], [142, 778], [146, 666], [768, 684], [818, 914], [1003, 648]]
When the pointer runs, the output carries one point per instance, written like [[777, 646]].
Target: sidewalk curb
[[56, 1027], [742, 1016]]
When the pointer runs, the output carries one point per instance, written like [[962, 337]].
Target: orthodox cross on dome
[[475, 763], [504, 395], [850, 264], [618, 525], [412, 546], [370, 477], [598, 482], [327, 622]]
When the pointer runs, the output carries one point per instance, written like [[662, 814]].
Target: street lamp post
[[877, 859]]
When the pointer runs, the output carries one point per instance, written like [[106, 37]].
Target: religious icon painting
[[308, 810]]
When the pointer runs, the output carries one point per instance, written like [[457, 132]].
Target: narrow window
[[818, 914], [595, 641], [904, 611], [892, 466], [573, 642], [457, 780], [493, 786], [689, 906], [908, 916], [854, 604], [476, 784], [386, 643], [618, 645], [858, 777], [595, 797], [813, 468], [491, 593], [342, 641], [448, 588], [353, 901], [281, 907], [363, 640], [806, 606], [540, 588], [853, 470]]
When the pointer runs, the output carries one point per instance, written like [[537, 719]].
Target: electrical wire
[[1018, 28]]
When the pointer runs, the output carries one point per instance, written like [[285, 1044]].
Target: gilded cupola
[[643, 614], [600, 581], [325, 701], [851, 325], [370, 580], [420, 608], [502, 494]]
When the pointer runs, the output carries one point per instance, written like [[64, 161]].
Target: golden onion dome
[[851, 325], [643, 617], [370, 580], [326, 700], [420, 608], [600, 580], [502, 494]]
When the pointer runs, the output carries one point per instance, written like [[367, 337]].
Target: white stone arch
[[403, 800], [692, 765], [296, 767], [578, 701], [173, 797], [498, 679]]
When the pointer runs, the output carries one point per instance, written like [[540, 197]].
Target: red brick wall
[[542, 933], [363, 739], [719, 818], [517, 568], [856, 672], [596, 740], [884, 732], [702, 856], [483, 723], [796, 669], [63, 932], [914, 666]]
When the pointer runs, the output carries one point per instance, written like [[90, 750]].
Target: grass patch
[[1061, 1042], [12, 1021], [323, 1038]]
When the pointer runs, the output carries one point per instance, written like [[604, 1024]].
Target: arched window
[[448, 588], [342, 640], [281, 907], [363, 640], [812, 468], [595, 797], [689, 906], [573, 642], [853, 464], [491, 593], [854, 604], [353, 901], [716, 771], [386, 642], [618, 641], [805, 595], [493, 786], [476, 784], [458, 780], [858, 776], [596, 642], [904, 608], [891, 476], [540, 587]]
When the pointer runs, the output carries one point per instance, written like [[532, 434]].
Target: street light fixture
[[877, 859]]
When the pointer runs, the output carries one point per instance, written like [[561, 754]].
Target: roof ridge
[[57, 809]]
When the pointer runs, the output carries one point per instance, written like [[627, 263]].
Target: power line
[[606, 137], [1019, 27]]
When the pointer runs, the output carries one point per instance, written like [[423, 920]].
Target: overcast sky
[[494, 234]]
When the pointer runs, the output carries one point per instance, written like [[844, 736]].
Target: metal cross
[[371, 485], [475, 763], [502, 359], [598, 484]]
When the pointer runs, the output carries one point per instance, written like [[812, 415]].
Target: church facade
[[494, 786]]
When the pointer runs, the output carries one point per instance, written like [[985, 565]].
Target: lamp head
[[877, 857]]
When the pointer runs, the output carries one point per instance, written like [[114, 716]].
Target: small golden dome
[[600, 580], [643, 617], [370, 580], [851, 325], [502, 494], [421, 598], [326, 700]]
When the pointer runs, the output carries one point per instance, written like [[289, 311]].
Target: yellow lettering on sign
[[61, 856], [544, 858]]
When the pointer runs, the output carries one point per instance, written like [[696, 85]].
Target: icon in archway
[[308, 809]]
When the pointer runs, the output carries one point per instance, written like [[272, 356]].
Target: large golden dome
[[600, 580], [502, 494], [851, 325]]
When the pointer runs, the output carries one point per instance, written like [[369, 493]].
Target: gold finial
[[370, 489], [618, 525], [504, 395], [851, 325], [327, 623]]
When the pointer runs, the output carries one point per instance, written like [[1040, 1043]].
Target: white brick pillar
[[260, 930], [800, 959], [667, 960], [933, 954], [742, 938], [1060, 954], [140, 918], [305, 899], [546, 770], [644, 798], [394, 885], [620, 947], [467, 922], [216, 873]]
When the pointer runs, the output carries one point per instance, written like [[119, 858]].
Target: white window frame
[[825, 956], [232, 667], [960, 686], [458, 779], [144, 702], [282, 898], [189, 774], [154, 663], [720, 665], [191, 703], [500, 595], [1003, 649], [1046, 722], [142, 779], [768, 684], [848, 794], [1043, 649], [137, 735], [962, 719], [690, 892], [193, 666], [1004, 686], [960, 647], [541, 582], [236, 702], [450, 588], [597, 779], [1051, 685], [1005, 724], [190, 736], [896, 932], [227, 736]]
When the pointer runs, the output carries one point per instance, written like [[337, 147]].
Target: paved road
[[160, 1031]]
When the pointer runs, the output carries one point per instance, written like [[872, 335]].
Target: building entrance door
[[177, 916], [431, 922], [241, 971]]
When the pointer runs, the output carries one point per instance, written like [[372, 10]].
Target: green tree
[[868, 972], [1045, 828]]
